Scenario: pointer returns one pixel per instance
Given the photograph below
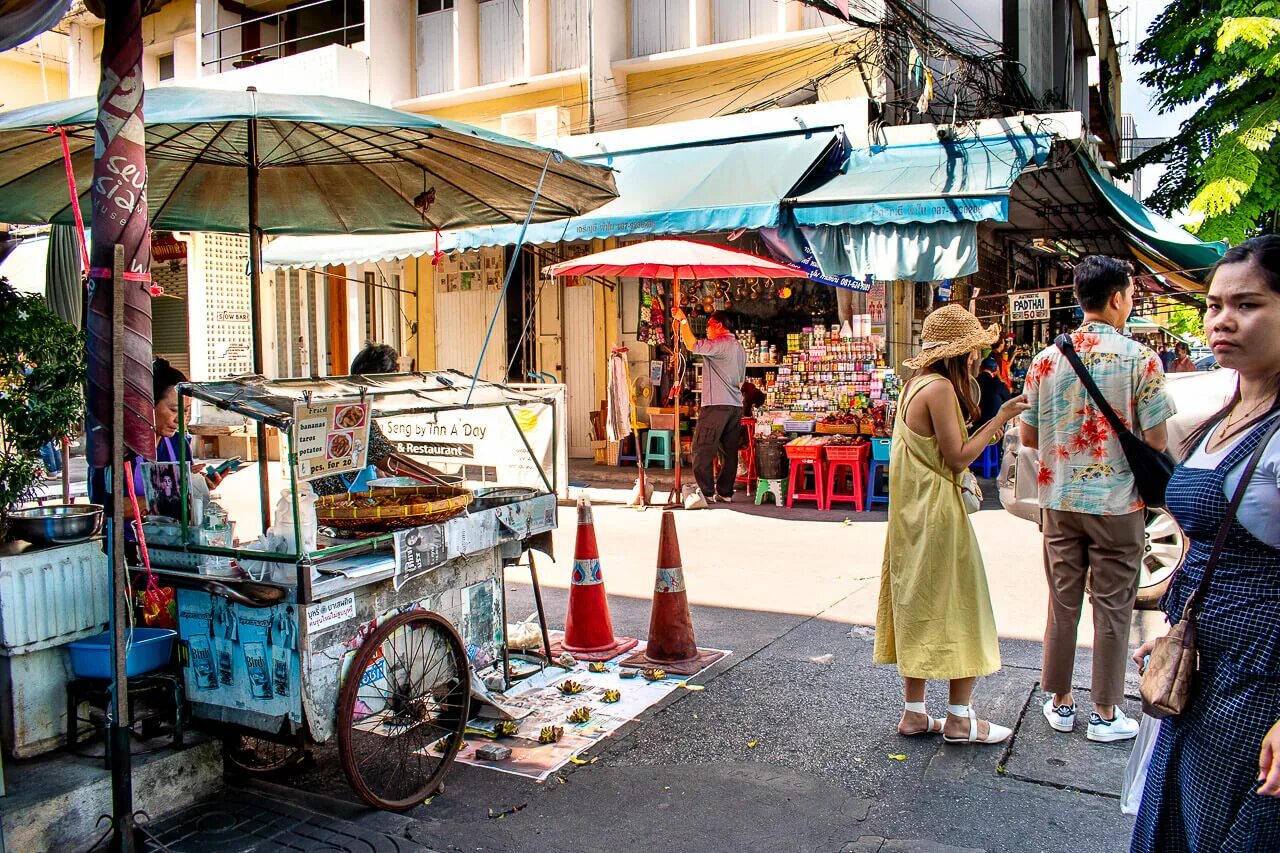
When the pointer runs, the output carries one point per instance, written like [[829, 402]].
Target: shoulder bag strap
[[1068, 349], [1193, 600]]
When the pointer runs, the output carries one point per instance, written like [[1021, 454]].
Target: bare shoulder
[[939, 389]]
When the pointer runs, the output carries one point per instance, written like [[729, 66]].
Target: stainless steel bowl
[[56, 524]]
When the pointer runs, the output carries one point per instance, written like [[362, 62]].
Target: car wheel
[[1164, 549]]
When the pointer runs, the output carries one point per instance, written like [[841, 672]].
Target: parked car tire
[[1165, 548]]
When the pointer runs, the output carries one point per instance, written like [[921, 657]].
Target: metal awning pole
[[118, 723], [255, 313]]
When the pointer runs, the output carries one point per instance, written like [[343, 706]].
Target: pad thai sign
[[330, 438], [1029, 306]]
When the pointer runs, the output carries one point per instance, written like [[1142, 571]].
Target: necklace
[[1229, 426]]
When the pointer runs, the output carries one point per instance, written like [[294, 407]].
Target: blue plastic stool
[[634, 441], [665, 439], [879, 463], [988, 464]]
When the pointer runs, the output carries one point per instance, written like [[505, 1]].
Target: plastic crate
[[846, 452], [804, 451], [149, 649]]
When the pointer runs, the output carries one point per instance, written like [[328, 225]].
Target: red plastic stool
[[847, 462], [747, 448], [801, 456]]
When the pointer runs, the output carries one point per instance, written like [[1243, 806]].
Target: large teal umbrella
[[324, 166], [259, 163]]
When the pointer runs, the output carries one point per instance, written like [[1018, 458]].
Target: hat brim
[[951, 349]]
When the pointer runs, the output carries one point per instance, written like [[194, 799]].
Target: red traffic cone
[[588, 630], [671, 645]]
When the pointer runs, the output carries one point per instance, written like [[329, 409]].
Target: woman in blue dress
[[1213, 783]]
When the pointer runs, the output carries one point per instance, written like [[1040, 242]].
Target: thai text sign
[[1029, 306]]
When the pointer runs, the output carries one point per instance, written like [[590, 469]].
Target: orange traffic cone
[[588, 630], [671, 645]]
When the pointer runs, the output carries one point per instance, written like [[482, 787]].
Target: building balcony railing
[[287, 32]]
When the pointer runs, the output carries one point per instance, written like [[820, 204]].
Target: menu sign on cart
[[330, 437]]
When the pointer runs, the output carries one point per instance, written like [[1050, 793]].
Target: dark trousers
[[718, 432]]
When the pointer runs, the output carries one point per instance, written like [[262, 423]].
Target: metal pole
[[255, 313], [537, 600], [591, 67], [117, 727]]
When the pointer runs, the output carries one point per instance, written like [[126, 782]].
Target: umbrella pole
[[255, 316], [117, 726], [674, 499]]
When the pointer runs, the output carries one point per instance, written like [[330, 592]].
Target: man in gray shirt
[[719, 430]]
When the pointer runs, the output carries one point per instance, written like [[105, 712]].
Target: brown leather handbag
[[1169, 678]]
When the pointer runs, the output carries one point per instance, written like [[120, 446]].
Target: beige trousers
[[1106, 552]]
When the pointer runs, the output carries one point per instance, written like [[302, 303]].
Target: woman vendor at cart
[[372, 360]]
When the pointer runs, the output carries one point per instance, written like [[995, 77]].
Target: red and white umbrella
[[678, 260]]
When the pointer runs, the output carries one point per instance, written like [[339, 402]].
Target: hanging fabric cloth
[[618, 422]]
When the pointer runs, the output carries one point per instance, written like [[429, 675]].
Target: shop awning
[[715, 185], [1164, 247], [963, 180]]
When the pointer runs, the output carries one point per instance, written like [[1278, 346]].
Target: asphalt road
[[779, 589]]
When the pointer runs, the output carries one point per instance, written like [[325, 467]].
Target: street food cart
[[359, 614]]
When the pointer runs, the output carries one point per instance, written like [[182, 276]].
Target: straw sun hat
[[951, 331]]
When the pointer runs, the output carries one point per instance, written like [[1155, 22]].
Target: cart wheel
[[402, 710], [261, 756]]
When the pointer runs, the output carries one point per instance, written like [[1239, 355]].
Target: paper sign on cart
[[326, 614], [330, 438], [418, 550]]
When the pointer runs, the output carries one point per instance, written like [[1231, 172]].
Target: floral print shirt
[[1082, 467]]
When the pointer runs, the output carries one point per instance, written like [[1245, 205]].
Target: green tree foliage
[[41, 389], [1225, 165]]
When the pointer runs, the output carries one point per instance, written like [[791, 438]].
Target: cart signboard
[[475, 439], [1029, 306], [330, 437]]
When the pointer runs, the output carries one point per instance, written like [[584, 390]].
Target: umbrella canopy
[[680, 260], [326, 166]]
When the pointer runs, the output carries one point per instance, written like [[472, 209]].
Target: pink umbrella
[[677, 260]]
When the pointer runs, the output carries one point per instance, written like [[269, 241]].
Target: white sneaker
[[1109, 731], [1062, 718]]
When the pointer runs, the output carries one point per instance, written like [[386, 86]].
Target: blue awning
[[1160, 244], [962, 180], [713, 185]]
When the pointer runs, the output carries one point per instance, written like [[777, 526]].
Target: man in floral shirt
[[1094, 521]]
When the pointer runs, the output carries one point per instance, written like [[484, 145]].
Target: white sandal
[[933, 727], [995, 733]]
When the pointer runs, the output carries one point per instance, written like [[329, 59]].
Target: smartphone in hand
[[228, 466]]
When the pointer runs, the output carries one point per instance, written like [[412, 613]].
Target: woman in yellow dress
[[935, 618]]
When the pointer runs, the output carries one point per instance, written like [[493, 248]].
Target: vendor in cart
[[372, 360], [719, 428]]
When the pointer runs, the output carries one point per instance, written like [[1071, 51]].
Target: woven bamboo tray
[[392, 509]]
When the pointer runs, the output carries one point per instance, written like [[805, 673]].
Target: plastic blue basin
[[150, 649]]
